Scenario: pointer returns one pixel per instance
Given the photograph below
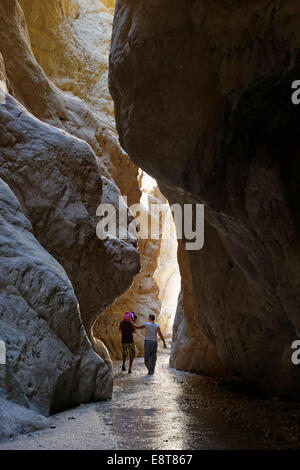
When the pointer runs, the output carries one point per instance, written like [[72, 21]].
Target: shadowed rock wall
[[202, 93]]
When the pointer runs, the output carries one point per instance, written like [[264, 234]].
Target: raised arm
[[162, 337], [136, 326]]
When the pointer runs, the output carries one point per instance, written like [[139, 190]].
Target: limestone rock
[[100, 348], [71, 42], [202, 94], [193, 346], [3, 81], [191, 350], [15, 419], [50, 364], [61, 195], [56, 178], [77, 62], [155, 289]]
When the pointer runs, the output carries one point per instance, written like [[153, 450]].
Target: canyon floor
[[171, 410]]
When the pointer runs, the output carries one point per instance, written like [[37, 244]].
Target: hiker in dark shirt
[[128, 348]]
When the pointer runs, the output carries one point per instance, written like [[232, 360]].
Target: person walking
[[127, 329], [152, 329]]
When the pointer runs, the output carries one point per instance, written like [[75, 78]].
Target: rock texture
[[202, 94], [155, 289], [56, 179], [60, 195], [77, 62], [40, 325], [70, 41], [191, 350], [15, 419], [193, 344], [48, 242]]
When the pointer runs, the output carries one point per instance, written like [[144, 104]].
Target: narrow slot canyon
[[156, 288], [157, 110]]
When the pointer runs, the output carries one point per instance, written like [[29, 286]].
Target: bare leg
[[124, 361], [130, 365]]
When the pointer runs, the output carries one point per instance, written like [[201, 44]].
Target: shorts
[[128, 350]]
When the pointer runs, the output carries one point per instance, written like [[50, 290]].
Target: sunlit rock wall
[[155, 289], [74, 239], [56, 272], [71, 41]]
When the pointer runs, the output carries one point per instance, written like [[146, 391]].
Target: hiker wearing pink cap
[[128, 316], [128, 348]]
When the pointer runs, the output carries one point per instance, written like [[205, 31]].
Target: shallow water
[[156, 412], [164, 411]]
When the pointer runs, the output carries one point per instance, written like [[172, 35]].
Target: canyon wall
[[71, 41], [80, 189], [56, 275], [60, 158], [202, 94], [155, 289]]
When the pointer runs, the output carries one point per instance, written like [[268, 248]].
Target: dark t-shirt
[[127, 332]]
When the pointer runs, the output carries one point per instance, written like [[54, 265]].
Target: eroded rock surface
[[50, 362], [202, 94], [155, 289], [71, 42], [57, 180], [62, 194], [191, 350], [49, 240]]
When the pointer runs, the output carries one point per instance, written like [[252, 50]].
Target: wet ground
[[170, 410], [158, 412]]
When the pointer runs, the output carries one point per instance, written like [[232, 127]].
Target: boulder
[[50, 363], [57, 181]]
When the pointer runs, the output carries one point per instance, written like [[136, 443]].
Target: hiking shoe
[[123, 368], [129, 372]]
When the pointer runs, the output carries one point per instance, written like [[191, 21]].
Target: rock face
[[77, 63], [60, 195], [155, 289], [51, 259], [193, 345], [191, 350], [40, 325], [56, 178], [70, 41], [202, 95]]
